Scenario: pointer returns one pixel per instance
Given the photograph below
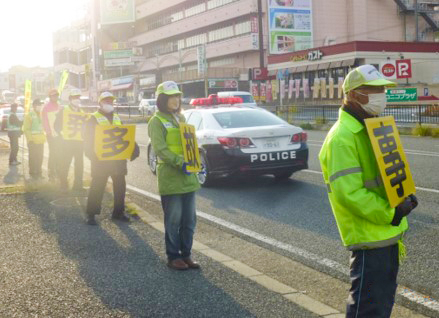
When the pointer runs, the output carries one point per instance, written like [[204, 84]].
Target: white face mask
[[76, 102], [107, 108], [377, 103]]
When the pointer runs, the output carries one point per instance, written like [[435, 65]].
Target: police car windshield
[[249, 118]]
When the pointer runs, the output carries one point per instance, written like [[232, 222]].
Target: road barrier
[[321, 114]]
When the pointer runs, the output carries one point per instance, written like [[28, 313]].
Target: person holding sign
[[107, 164], [369, 227], [68, 125], [176, 184], [48, 116], [35, 136]]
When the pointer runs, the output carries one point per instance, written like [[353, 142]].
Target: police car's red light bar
[[214, 100]]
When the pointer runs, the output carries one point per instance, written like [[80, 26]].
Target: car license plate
[[270, 144]]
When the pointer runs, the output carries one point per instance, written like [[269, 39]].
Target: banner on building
[[191, 151], [263, 92], [297, 85], [331, 88], [63, 81], [290, 88], [27, 95], [340, 87], [114, 142], [201, 59], [282, 88], [269, 92], [289, 25], [117, 11], [255, 91], [316, 88], [72, 124], [305, 87], [323, 87], [274, 89], [392, 162]]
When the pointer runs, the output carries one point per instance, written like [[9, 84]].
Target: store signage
[[298, 58], [392, 69], [403, 68], [118, 62], [201, 59], [120, 45], [121, 81], [315, 55], [260, 74], [402, 95], [223, 84]]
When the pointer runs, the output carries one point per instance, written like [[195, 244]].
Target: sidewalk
[[54, 265]]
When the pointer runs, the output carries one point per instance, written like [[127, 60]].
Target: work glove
[[404, 209], [136, 152], [185, 164], [203, 169]]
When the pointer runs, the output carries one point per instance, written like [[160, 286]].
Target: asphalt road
[[297, 212]]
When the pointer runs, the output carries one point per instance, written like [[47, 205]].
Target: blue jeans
[[180, 221]]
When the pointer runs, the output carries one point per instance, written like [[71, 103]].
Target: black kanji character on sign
[[115, 141], [388, 148], [74, 124], [190, 147]]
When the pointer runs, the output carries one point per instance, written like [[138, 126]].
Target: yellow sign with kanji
[[63, 81], [113, 142], [191, 152], [392, 162], [72, 124]]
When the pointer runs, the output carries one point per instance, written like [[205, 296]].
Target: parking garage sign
[[392, 162]]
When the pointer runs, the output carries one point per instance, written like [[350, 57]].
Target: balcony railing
[[192, 75]]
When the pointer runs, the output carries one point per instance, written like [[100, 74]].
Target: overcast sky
[[26, 28]]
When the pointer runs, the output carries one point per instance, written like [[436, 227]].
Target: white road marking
[[405, 292]]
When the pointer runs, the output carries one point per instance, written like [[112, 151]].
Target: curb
[[256, 276]]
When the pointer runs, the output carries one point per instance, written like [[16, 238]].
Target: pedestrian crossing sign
[[191, 152], [114, 142], [391, 159]]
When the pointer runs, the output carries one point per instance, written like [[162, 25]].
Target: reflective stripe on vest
[[173, 137], [102, 120], [12, 127], [37, 126], [377, 244]]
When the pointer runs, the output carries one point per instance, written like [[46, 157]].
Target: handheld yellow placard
[[114, 142], [72, 124], [191, 152], [63, 81], [392, 162]]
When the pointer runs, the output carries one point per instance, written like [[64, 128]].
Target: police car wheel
[[205, 180], [152, 160], [283, 175]]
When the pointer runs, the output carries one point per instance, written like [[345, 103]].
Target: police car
[[237, 140]]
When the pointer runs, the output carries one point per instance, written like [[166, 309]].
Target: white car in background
[[147, 107], [244, 141]]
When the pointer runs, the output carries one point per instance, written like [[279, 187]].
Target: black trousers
[[96, 193], [13, 139], [36, 154], [373, 278], [71, 150], [55, 150]]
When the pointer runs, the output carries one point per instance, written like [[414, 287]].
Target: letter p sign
[[403, 69]]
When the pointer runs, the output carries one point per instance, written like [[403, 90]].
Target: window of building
[[195, 10], [242, 28], [220, 34], [211, 4], [177, 16], [221, 62], [196, 40]]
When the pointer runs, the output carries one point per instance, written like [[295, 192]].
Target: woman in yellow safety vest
[[176, 185]]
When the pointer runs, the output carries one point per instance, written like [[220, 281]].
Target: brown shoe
[[191, 264], [178, 264]]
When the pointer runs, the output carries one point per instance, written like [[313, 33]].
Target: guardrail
[[405, 115]]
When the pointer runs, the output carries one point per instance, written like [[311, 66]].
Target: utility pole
[[417, 20], [261, 37]]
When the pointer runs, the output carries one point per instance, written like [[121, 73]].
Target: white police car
[[246, 141]]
